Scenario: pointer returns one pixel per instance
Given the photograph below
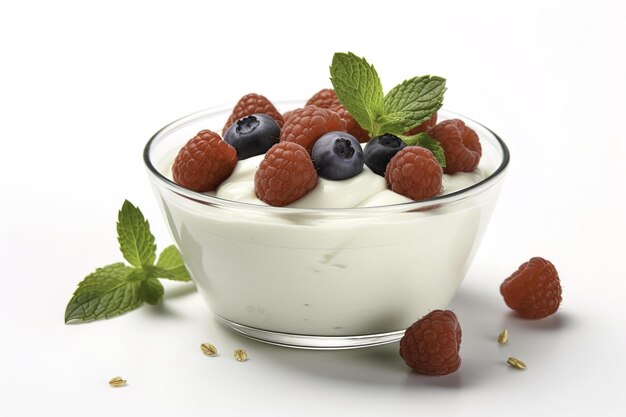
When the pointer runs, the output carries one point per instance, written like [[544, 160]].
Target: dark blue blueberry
[[337, 156], [253, 135], [380, 150]]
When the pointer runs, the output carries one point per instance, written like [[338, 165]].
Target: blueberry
[[253, 135], [380, 150], [337, 156]]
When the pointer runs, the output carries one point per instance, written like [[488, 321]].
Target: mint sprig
[[358, 88], [411, 103], [426, 141], [117, 288], [405, 106]]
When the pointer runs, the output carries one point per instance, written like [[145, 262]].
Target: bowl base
[[301, 341]]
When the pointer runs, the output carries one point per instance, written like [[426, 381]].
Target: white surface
[[84, 86]]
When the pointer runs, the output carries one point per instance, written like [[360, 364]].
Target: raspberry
[[414, 173], [534, 290], [325, 99], [204, 162], [285, 174], [250, 104], [431, 345], [287, 114], [422, 127], [306, 125], [460, 145], [352, 127]]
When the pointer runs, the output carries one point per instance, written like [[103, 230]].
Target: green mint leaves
[[358, 88], [405, 106], [412, 102], [133, 234], [426, 141], [117, 288]]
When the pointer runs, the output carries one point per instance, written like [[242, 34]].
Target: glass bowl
[[322, 278]]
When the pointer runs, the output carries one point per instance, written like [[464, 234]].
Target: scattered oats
[[208, 349], [240, 355], [516, 363], [117, 382], [503, 337]]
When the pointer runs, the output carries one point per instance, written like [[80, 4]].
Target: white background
[[84, 85]]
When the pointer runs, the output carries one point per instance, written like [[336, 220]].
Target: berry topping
[[337, 156], [431, 345], [325, 99], [204, 162], [285, 174], [304, 126], [423, 127], [380, 150], [460, 145], [534, 290], [414, 173], [352, 127], [253, 135], [250, 104]]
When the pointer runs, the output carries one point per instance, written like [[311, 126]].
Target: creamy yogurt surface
[[366, 189], [331, 274]]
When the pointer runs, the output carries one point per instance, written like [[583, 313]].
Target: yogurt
[[366, 189], [350, 264]]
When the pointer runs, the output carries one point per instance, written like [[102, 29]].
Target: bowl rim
[[205, 199]]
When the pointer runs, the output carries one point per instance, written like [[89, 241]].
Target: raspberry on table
[[534, 290], [422, 127], [306, 125], [352, 127], [414, 173], [460, 144], [431, 345], [285, 174], [204, 162], [250, 104], [325, 98]]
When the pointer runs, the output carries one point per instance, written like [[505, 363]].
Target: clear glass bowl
[[322, 278]]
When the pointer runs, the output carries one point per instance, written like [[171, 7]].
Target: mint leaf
[[134, 236], [104, 293], [151, 290], [358, 88], [170, 265], [411, 102], [426, 141]]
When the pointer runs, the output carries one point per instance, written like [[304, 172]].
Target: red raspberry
[[325, 99], [250, 104], [287, 114], [204, 162], [422, 127], [306, 125], [352, 127], [285, 174], [414, 173], [460, 145], [431, 345], [534, 290]]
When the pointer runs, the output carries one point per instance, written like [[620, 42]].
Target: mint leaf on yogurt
[[412, 102], [405, 106], [358, 88], [426, 141], [118, 288]]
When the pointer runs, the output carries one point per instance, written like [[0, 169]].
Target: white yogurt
[[331, 273], [366, 189]]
